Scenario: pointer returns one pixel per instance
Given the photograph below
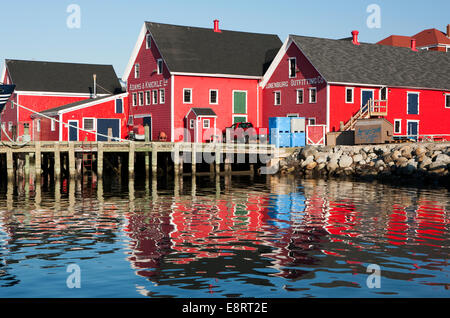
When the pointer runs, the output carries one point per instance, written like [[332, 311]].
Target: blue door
[[366, 96], [103, 125], [413, 128], [73, 130], [413, 103]]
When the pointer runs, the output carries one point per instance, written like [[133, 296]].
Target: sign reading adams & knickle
[[297, 82], [148, 85]]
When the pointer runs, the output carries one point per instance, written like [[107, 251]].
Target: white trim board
[[93, 103]]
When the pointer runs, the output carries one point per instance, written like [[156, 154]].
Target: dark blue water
[[236, 238]]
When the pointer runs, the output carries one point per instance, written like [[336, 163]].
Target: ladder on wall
[[88, 157], [373, 108]]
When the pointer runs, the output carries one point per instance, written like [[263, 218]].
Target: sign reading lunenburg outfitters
[[147, 85], [297, 82]]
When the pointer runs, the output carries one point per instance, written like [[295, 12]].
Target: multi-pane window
[[148, 41], [205, 123], [213, 96], [162, 96], [136, 70], [383, 93], [300, 99], [155, 97], [134, 99], [277, 98], [397, 126], [187, 95], [313, 95], [349, 95], [88, 123], [52, 124], [141, 98], [447, 101], [292, 67], [191, 123], [160, 66], [148, 98]]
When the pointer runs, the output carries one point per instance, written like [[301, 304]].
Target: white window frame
[[217, 96], [148, 45], [141, 98], [155, 97], [309, 121], [445, 100], [418, 103], [135, 99], [10, 124], [191, 123], [295, 67], [159, 66], [387, 91], [353, 95], [162, 96], [206, 121], [311, 89], [130, 120], [275, 102], [38, 125], [137, 70], [399, 126], [148, 98], [413, 121], [93, 124], [190, 96], [303, 96], [53, 124]]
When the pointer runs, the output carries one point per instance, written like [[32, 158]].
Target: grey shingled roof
[[203, 111], [201, 50], [342, 61], [62, 77]]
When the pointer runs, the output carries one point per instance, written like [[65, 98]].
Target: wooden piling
[[194, 159], [37, 160], [10, 164], [72, 168], [131, 160], [57, 162], [154, 159], [176, 162], [217, 159], [27, 167], [100, 160]]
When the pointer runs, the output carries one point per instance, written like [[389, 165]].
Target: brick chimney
[[413, 45], [448, 30], [216, 26], [355, 37]]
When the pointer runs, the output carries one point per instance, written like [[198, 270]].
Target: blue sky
[[109, 28]]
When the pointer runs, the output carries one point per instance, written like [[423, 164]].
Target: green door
[[239, 102]]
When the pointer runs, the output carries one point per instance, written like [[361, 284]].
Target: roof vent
[[413, 45], [216, 26], [355, 37]]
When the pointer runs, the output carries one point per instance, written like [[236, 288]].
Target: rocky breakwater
[[423, 161]]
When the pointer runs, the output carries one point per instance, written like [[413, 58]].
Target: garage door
[[103, 126]]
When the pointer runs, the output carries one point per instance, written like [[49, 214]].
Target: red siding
[[200, 98], [149, 80], [289, 90]]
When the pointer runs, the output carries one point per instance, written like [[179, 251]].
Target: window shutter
[[240, 103]]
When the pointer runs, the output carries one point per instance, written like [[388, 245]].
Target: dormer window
[[148, 41]]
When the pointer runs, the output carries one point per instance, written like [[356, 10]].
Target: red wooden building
[[175, 69], [42, 86], [330, 81]]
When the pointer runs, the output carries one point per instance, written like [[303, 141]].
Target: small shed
[[373, 131], [201, 125]]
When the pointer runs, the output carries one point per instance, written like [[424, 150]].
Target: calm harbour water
[[234, 238]]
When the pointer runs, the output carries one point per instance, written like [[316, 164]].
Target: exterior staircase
[[373, 108]]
